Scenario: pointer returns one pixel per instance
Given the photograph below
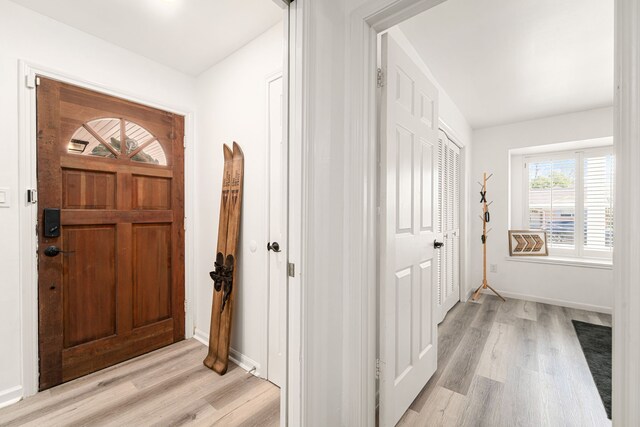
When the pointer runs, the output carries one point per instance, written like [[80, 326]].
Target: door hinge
[[185, 306], [184, 142], [378, 369], [32, 196], [380, 78], [185, 223], [291, 269]]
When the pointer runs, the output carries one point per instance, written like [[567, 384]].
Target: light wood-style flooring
[[168, 387], [514, 363]]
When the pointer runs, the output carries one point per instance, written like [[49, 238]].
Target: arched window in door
[[103, 138]]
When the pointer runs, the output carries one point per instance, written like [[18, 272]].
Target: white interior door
[[277, 227], [448, 223], [408, 325]]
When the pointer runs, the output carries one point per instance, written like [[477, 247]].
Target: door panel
[[88, 189], [151, 192], [426, 185], [89, 279], [408, 335], [403, 325], [276, 369], [152, 275], [115, 170], [426, 300], [404, 180]]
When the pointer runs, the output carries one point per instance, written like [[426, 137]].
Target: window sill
[[574, 262]]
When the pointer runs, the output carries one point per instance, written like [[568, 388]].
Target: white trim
[[245, 362], [201, 336], [28, 212], [10, 396], [558, 147], [552, 301], [573, 262], [626, 268], [294, 77]]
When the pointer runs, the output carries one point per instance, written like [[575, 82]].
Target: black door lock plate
[[51, 222]]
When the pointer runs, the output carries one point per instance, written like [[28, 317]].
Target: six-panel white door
[[408, 323]]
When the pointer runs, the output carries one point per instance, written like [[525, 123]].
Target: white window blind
[[598, 202], [570, 196], [552, 200]]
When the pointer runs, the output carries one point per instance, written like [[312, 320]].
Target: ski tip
[[228, 154], [237, 151]]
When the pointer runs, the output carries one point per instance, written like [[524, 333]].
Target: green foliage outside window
[[556, 180]]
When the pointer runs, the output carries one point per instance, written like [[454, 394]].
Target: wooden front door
[[111, 270]]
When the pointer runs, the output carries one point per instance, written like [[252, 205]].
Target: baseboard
[[552, 301], [467, 297], [10, 396], [235, 356], [201, 336]]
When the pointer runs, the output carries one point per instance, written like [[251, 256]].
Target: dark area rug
[[596, 346]]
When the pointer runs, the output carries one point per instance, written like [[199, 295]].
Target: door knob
[[437, 245], [52, 251], [275, 247]]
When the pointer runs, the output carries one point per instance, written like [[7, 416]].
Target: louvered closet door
[[448, 260]]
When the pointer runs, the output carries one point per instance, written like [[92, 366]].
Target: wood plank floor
[[168, 387], [513, 363]]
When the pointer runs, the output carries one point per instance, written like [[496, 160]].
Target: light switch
[[5, 198]]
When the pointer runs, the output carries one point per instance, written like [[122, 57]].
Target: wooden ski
[[221, 248], [225, 273]]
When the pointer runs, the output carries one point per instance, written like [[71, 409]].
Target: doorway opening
[[425, 83]]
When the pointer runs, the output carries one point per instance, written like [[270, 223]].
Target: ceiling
[[503, 61], [187, 35]]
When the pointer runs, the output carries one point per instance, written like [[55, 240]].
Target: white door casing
[[448, 223], [276, 364], [408, 185]]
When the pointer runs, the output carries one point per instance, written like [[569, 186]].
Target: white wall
[[569, 285], [42, 41], [232, 106]]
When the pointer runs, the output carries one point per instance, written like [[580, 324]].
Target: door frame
[[363, 25], [29, 211]]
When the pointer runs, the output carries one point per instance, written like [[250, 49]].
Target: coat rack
[[486, 218]]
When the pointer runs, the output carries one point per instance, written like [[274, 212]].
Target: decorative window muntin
[[102, 138]]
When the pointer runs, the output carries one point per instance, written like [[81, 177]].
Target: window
[[102, 138], [570, 196]]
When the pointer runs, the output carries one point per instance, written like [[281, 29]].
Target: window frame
[[579, 251]]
